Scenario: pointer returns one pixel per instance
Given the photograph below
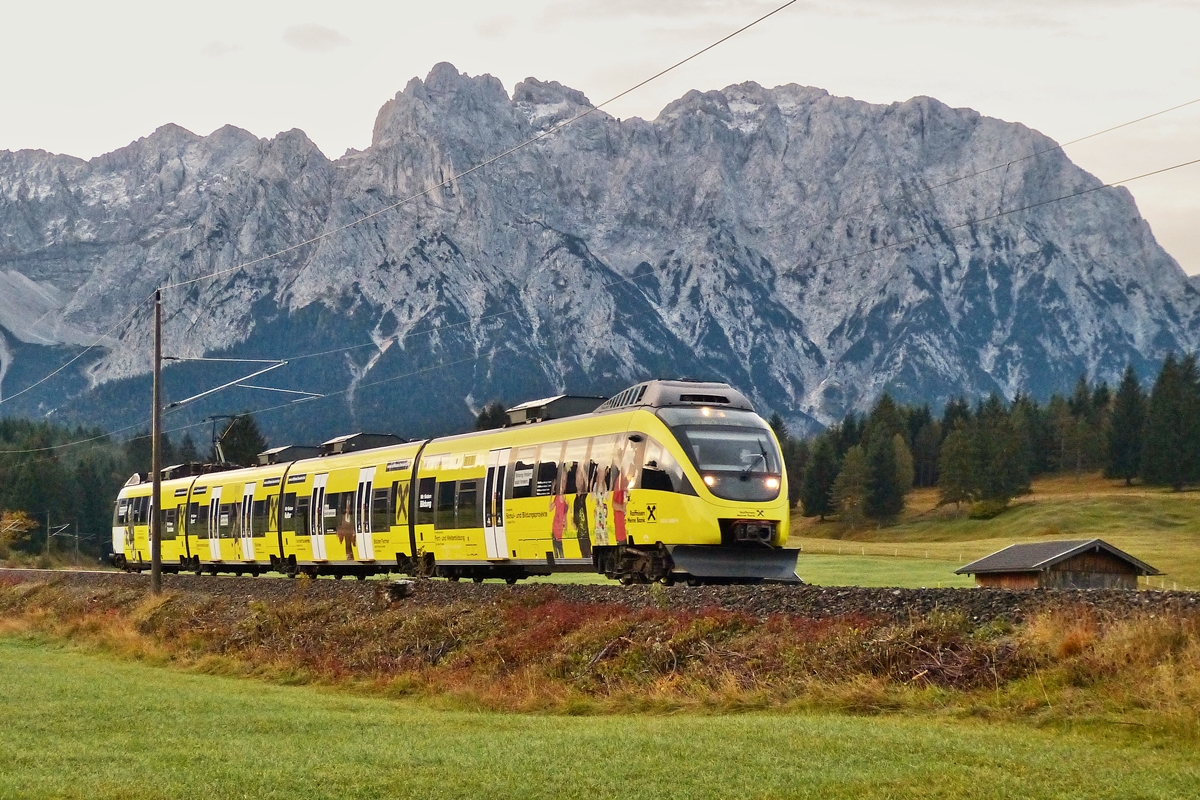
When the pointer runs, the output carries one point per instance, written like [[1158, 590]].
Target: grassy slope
[[1159, 527], [62, 735]]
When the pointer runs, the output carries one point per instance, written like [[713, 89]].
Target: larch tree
[[849, 490]]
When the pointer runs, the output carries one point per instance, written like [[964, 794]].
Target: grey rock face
[[809, 249]]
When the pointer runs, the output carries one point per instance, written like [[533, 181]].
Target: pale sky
[[85, 78]]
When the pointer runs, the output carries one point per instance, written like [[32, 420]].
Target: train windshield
[[733, 451]]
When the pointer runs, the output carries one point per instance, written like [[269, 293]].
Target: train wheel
[[477, 579], [511, 581], [337, 577], [361, 576]]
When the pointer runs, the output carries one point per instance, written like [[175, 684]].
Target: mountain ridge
[[742, 234]]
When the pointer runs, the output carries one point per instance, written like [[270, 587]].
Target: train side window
[[227, 516], [601, 462], [523, 471], [469, 515], [548, 464], [381, 511], [338, 505], [575, 463], [445, 505], [300, 520], [198, 517], [628, 461], [169, 516], [426, 489], [121, 512], [660, 470], [258, 518], [287, 515]]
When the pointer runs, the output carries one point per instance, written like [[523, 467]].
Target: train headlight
[[710, 481], [772, 483]]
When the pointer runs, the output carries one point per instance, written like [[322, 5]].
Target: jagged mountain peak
[[812, 249]]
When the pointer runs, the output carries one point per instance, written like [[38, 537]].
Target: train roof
[[665, 394]]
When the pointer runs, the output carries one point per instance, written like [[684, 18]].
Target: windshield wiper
[[750, 466]]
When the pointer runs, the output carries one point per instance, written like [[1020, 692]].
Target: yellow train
[[667, 481]]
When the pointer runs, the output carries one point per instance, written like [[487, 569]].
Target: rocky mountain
[[813, 250]]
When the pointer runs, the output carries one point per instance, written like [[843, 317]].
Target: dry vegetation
[[535, 652]]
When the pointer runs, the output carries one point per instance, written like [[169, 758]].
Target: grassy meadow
[[928, 543], [63, 734]]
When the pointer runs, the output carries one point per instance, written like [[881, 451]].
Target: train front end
[[711, 503]]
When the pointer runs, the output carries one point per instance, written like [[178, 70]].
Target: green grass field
[[1160, 527], [74, 725]]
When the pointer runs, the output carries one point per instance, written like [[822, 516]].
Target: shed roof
[[1040, 556]]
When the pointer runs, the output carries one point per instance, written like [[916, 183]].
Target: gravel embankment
[[979, 605]]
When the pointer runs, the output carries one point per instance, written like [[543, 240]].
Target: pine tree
[[884, 417], [188, 454], [795, 457], [954, 469], [1189, 384], [1126, 429], [849, 490], [493, 415], [905, 469], [1163, 456], [849, 433], [816, 496], [926, 446], [242, 441], [884, 496], [956, 413]]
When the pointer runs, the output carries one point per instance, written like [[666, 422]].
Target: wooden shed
[[1078, 564]]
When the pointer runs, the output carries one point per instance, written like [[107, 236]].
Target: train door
[[246, 530], [493, 505], [362, 514], [316, 517], [214, 524]]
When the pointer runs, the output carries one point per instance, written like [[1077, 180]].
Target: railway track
[[977, 605]]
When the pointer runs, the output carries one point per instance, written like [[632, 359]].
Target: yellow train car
[[667, 481], [131, 524]]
